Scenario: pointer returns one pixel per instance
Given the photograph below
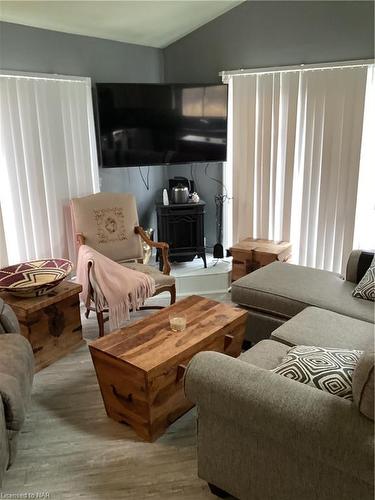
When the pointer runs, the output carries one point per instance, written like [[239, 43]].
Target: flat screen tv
[[152, 124]]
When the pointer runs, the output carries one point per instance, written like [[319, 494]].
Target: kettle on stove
[[180, 193]]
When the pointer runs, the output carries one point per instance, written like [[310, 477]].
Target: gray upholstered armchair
[[108, 223], [16, 376]]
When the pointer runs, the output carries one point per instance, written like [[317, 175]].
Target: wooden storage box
[[140, 368], [251, 254], [51, 323]]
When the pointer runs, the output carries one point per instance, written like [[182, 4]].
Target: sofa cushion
[[363, 384], [358, 263], [286, 289], [16, 375], [160, 278], [366, 287], [266, 354], [327, 369], [314, 326]]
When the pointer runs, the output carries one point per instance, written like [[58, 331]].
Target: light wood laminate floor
[[69, 448]]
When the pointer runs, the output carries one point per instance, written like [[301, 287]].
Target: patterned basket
[[34, 278]]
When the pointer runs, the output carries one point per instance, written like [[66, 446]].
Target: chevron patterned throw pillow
[[327, 369]]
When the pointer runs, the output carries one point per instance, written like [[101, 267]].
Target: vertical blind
[[264, 122], [48, 156], [364, 230], [295, 149]]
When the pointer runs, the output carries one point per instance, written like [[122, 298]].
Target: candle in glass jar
[[177, 322]]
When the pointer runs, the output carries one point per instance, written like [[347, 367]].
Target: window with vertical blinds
[[295, 147]]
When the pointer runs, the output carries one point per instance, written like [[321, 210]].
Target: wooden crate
[[140, 368], [251, 254], [51, 323]]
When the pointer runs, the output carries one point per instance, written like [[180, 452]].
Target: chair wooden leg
[[173, 294], [99, 316], [87, 313]]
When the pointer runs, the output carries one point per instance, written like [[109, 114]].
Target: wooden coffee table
[[251, 254], [140, 368]]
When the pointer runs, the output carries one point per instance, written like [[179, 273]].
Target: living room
[[187, 271]]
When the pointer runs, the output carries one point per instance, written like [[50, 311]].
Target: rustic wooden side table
[[251, 254], [51, 323]]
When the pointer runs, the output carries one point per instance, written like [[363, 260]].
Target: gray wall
[[31, 49], [263, 34]]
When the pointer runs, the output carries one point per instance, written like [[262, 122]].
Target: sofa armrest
[[4, 446], [313, 422], [357, 265], [16, 378], [8, 320]]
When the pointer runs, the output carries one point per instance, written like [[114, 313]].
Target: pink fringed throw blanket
[[115, 286]]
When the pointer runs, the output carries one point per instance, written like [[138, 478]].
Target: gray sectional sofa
[[16, 376], [262, 436], [279, 291]]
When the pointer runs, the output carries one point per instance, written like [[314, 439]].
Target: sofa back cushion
[[363, 384], [366, 287], [364, 262], [358, 263]]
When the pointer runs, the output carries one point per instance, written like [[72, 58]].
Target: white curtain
[[48, 156], [364, 231], [296, 140]]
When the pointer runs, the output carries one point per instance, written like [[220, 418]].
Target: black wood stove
[[182, 227]]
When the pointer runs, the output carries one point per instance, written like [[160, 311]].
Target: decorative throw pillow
[[366, 287], [327, 369]]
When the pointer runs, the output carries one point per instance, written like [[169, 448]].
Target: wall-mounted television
[[159, 124]]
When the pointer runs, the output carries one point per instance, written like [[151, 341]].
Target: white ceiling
[[145, 22]]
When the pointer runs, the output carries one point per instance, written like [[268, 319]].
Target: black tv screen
[[156, 124]]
